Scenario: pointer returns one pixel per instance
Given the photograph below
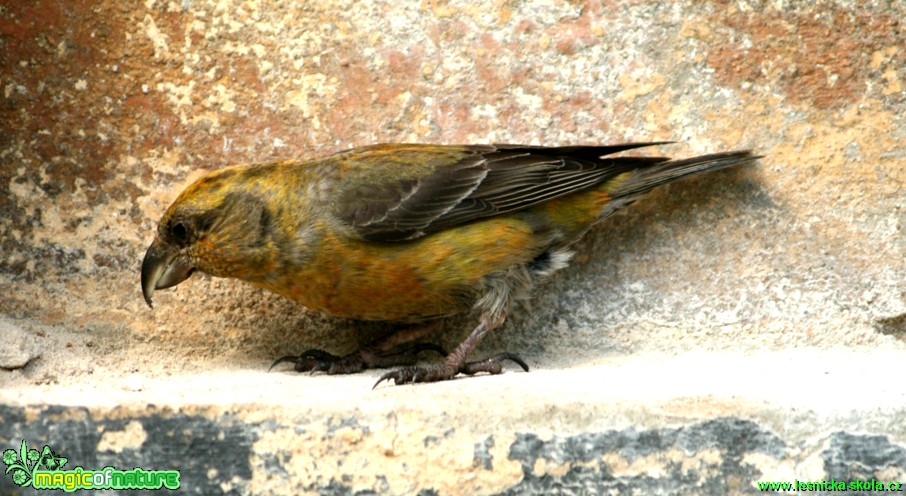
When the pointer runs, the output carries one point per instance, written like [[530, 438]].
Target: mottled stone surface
[[689, 424], [109, 108], [17, 346]]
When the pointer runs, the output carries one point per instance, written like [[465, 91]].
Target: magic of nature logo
[[44, 470]]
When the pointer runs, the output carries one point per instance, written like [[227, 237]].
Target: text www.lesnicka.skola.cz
[[831, 485]]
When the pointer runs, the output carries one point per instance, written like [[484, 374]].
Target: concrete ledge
[[699, 423]]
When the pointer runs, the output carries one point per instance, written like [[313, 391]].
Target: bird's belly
[[431, 277]]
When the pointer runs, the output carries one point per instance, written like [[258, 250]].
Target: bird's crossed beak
[[163, 267]]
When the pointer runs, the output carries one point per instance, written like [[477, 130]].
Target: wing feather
[[397, 194]]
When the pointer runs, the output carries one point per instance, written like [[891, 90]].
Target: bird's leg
[[387, 351], [455, 363]]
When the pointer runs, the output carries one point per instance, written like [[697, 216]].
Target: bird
[[406, 233]]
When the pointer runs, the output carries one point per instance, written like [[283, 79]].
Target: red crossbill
[[405, 233]]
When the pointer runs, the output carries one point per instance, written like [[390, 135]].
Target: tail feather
[[659, 173]]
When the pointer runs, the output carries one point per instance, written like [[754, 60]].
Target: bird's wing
[[402, 192]]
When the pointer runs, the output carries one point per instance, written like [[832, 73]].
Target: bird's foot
[[365, 358], [450, 368]]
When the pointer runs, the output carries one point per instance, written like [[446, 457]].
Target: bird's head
[[220, 225]]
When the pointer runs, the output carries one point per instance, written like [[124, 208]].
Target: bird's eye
[[179, 232]]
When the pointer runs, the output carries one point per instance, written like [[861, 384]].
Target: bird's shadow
[[684, 209]]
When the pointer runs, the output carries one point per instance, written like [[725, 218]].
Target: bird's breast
[[429, 277]]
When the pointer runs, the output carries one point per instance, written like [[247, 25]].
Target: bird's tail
[[664, 171]]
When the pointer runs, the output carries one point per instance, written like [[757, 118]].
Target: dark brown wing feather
[[487, 180], [396, 210]]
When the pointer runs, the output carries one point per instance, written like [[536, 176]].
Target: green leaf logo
[[18, 464]]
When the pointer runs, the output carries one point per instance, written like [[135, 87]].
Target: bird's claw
[[310, 360], [283, 359], [494, 364], [315, 360], [445, 371]]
